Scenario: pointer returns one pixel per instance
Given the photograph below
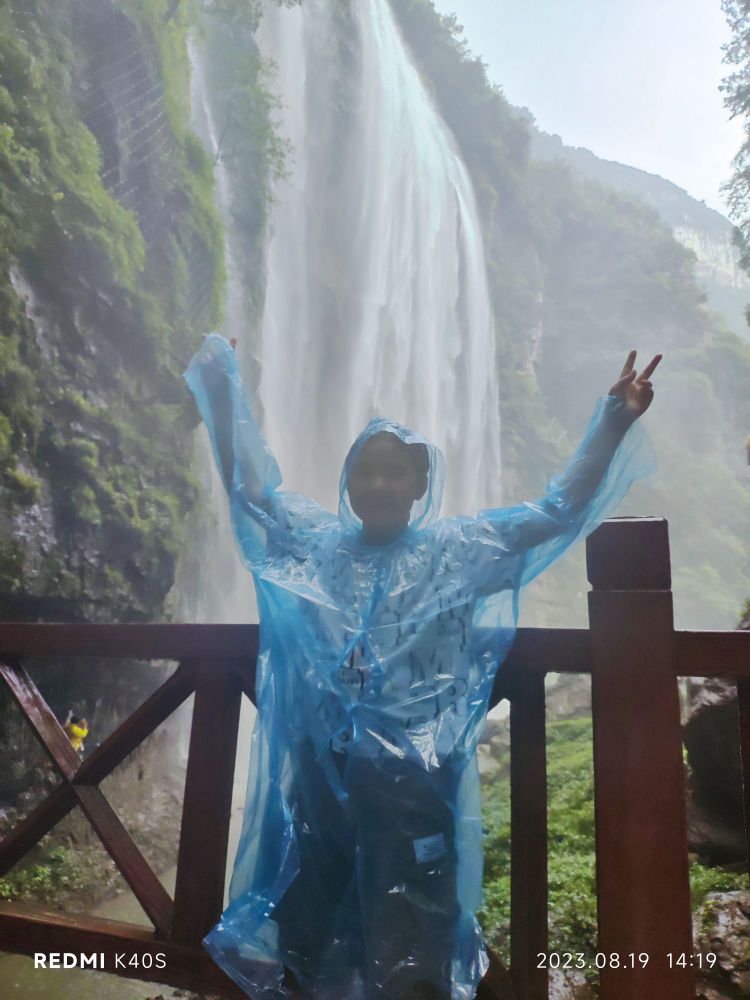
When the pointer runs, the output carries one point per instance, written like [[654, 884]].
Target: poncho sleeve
[[519, 542], [262, 516]]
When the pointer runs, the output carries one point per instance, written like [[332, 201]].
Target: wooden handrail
[[177, 929], [710, 653], [147, 642]]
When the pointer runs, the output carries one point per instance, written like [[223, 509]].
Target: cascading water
[[377, 300], [212, 584], [376, 303]]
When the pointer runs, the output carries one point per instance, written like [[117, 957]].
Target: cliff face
[[580, 272], [705, 232], [112, 263], [111, 267]]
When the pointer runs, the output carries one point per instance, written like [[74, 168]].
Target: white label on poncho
[[430, 848]]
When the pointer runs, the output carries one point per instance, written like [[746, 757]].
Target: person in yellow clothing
[[77, 730]]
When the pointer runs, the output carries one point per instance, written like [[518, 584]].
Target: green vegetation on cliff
[[250, 149], [93, 424], [572, 886], [58, 872], [112, 259], [736, 89], [580, 274], [112, 266]]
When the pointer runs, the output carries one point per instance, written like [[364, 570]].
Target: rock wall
[[111, 265]]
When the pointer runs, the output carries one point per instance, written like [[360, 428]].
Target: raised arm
[[214, 376], [241, 452], [613, 453], [248, 469]]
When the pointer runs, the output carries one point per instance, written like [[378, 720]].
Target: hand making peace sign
[[635, 390]]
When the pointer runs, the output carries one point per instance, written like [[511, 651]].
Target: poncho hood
[[425, 510]]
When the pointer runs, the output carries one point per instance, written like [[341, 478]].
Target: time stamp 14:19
[[615, 960]]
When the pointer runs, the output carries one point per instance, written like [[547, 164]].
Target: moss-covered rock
[[111, 268], [107, 235]]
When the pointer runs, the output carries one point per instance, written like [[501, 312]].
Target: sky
[[632, 80]]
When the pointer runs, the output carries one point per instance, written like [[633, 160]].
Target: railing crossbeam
[[157, 707], [41, 718], [30, 830], [142, 955], [711, 654], [123, 850]]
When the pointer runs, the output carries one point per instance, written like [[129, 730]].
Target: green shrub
[[572, 860], [57, 871]]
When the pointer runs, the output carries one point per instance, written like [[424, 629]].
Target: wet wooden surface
[[643, 890], [207, 805], [528, 881], [186, 967]]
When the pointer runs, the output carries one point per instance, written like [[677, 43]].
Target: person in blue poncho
[[359, 867]]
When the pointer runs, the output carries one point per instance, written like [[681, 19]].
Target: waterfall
[[377, 301], [213, 585], [376, 298]]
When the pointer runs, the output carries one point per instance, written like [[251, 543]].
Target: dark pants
[[376, 891], [318, 915]]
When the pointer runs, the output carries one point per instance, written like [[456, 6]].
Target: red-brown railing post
[[202, 857], [528, 850], [641, 841], [743, 701]]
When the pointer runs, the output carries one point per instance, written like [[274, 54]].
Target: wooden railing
[[217, 663], [634, 657]]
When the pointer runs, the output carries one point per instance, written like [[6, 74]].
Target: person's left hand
[[635, 390]]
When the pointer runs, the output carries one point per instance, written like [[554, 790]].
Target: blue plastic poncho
[[359, 867]]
